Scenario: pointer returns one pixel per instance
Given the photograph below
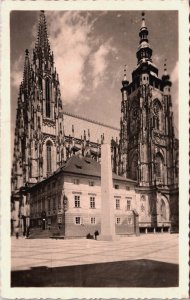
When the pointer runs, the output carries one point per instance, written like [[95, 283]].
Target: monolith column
[[107, 203]]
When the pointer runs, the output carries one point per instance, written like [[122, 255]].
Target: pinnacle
[[42, 37]]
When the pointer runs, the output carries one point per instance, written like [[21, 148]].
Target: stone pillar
[[107, 203], [146, 230]]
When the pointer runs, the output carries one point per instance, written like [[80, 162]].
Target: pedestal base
[[108, 238]]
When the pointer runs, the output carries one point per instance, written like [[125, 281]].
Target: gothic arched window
[[157, 114], [40, 84], [159, 166], [49, 157], [47, 89], [134, 167]]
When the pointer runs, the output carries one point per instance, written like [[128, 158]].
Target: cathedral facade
[[145, 152]]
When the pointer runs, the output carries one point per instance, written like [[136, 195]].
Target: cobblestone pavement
[[26, 253]]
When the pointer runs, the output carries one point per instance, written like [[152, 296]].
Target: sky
[[90, 51]]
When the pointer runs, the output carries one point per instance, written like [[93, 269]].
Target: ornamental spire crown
[[144, 51], [42, 42]]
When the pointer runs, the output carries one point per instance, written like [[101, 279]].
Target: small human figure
[[95, 234], [27, 232]]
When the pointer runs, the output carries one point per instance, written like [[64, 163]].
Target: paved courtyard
[[147, 260]]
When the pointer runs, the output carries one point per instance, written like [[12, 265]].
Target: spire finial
[[73, 130], [125, 73], [165, 67], [143, 20]]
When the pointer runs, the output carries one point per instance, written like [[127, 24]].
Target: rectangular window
[[93, 220], [59, 220], [76, 181], [127, 188], [77, 201], [118, 220], [129, 220], [91, 183], [92, 202], [117, 204], [78, 220], [116, 186], [128, 204]]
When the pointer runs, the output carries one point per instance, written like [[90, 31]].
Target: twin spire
[[42, 39]]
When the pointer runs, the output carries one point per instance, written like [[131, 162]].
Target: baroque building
[[50, 143], [69, 203], [149, 149]]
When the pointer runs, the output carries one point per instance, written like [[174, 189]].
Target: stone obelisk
[[107, 201]]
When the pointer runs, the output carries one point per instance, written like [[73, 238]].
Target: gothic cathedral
[[149, 149]]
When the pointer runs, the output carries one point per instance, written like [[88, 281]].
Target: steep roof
[[86, 166], [79, 165]]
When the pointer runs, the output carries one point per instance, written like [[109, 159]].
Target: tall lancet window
[[49, 157], [159, 167], [48, 104], [134, 167], [40, 84]]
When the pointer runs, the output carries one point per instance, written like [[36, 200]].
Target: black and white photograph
[[96, 180]]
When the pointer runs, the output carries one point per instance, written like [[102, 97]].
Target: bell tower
[[147, 140]]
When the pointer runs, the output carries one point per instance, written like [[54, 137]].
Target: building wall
[[72, 188]]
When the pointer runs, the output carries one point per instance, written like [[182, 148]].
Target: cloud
[[71, 44], [17, 72], [100, 61], [174, 73], [80, 59]]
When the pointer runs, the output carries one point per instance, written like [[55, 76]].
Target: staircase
[[38, 233]]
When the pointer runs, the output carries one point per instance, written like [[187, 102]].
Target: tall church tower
[[39, 132], [148, 144]]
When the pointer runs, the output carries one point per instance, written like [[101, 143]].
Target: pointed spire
[[42, 39], [166, 76], [73, 130], [144, 52], [89, 134], [26, 73]]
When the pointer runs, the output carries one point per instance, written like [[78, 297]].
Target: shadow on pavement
[[132, 273]]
